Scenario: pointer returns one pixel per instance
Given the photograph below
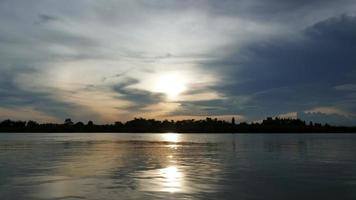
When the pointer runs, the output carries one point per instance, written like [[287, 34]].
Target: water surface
[[177, 166]]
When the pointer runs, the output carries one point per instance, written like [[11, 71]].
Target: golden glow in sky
[[170, 84]]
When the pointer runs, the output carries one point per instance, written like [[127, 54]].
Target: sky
[[113, 60]]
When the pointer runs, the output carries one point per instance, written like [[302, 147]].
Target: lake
[[177, 166]]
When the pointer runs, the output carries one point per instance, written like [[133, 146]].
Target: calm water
[[177, 166]]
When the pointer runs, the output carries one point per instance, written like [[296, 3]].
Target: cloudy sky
[[114, 60]]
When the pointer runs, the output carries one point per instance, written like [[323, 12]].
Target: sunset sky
[[114, 60]]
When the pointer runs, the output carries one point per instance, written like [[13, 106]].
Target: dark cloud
[[201, 108], [292, 74], [275, 11], [228, 106], [43, 18], [13, 96], [323, 55], [139, 98]]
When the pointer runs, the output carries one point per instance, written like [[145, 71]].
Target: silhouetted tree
[[32, 124], [79, 124], [209, 125], [68, 122]]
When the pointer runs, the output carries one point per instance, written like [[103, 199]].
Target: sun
[[171, 84]]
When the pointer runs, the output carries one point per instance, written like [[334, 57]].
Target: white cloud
[[329, 110]]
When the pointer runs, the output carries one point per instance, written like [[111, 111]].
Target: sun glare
[[171, 84], [172, 179], [171, 137]]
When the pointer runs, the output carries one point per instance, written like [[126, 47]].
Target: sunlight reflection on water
[[171, 137], [173, 179], [176, 166], [168, 179]]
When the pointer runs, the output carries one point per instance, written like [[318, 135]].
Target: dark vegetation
[[209, 125]]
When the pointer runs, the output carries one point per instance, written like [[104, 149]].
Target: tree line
[[208, 125]]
